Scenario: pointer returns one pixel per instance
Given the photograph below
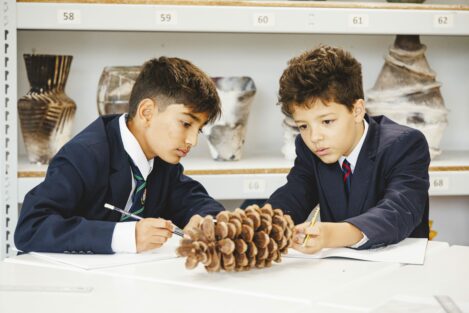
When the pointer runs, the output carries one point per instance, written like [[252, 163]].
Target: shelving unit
[[248, 16], [8, 127], [234, 38], [259, 176]]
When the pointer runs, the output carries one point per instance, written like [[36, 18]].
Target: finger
[[147, 246], [160, 232], [299, 238], [152, 246], [301, 227], [312, 231], [160, 223], [157, 240], [309, 249]]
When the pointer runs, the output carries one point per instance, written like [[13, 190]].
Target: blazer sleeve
[[51, 218], [299, 195], [188, 198], [405, 196]]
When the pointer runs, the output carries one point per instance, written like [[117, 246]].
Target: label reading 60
[[264, 20]]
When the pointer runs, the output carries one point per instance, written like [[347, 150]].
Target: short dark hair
[[325, 73], [174, 80]]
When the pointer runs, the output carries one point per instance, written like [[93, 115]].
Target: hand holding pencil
[[307, 237]]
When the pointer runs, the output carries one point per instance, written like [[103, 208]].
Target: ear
[[146, 109], [359, 110]]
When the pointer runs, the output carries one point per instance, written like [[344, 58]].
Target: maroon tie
[[347, 171]]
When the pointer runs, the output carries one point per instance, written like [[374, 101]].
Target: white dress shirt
[[352, 158], [123, 237]]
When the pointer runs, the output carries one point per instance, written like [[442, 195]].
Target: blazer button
[[66, 251], [81, 252], [89, 252]]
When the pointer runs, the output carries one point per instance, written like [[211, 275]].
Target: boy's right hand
[[152, 233]]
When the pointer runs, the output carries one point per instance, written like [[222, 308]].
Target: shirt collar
[[133, 149], [352, 158]]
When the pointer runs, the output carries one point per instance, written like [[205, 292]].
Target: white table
[[295, 285], [445, 273], [117, 294]]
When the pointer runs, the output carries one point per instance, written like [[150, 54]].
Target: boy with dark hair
[[368, 174], [130, 161]]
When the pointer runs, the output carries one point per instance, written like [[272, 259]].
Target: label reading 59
[[166, 18]]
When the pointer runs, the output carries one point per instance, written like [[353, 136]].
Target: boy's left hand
[[314, 243]]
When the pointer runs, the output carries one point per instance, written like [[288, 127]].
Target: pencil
[[313, 221], [176, 231]]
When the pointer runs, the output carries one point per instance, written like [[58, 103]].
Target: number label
[[264, 20], [439, 183], [166, 18], [70, 17], [443, 21], [358, 20], [254, 185]]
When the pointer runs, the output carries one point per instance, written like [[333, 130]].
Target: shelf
[[258, 177], [451, 18]]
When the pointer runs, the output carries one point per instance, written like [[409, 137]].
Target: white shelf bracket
[[8, 128]]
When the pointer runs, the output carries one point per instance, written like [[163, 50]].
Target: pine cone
[[239, 240]]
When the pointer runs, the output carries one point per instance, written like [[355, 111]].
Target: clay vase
[[46, 113], [226, 135], [290, 132], [407, 92], [114, 88]]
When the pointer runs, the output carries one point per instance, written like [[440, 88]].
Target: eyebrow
[[319, 117], [193, 116]]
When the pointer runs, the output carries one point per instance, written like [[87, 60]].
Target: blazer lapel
[[362, 174], [332, 185], [120, 177]]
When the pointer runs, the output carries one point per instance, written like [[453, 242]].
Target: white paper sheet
[[408, 251], [97, 261]]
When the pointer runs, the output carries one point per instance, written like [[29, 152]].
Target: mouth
[[322, 151], [182, 152]]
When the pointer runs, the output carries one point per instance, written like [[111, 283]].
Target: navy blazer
[[66, 211], [389, 187]]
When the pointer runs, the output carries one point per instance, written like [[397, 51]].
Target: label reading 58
[[71, 17]]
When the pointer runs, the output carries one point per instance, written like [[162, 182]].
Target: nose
[[316, 134], [191, 140]]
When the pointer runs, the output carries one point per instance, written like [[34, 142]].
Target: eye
[[201, 131], [327, 122], [186, 124], [302, 127]]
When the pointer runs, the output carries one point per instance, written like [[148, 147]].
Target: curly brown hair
[[174, 80], [326, 73]]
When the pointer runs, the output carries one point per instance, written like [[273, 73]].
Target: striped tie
[[347, 171], [139, 194]]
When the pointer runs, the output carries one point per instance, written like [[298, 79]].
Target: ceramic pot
[[46, 113], [114, 87], [407, 92], [226, 135]]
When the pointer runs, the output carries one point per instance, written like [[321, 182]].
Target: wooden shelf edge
[[247, 171], [290, 4]]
